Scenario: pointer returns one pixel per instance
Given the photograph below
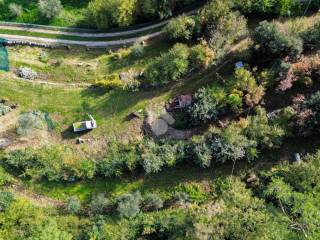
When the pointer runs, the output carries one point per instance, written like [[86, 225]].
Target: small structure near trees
[[85, 125]]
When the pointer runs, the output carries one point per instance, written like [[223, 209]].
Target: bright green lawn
[[73, 13]]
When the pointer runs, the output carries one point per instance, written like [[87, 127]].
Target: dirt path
[[37, 199], [7, 121], [125, 36], [81, 33]]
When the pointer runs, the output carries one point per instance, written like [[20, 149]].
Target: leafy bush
[[221, 26], [15, 9], [30, 122], [6, 199], [201, 152], [111, 81], [73, 205], [155, 156], [273, 43], [98, 204], [180, 29], [152, 202], [129, 204], [50, 8], [53, 163], [169, 67], [137, 50], [43, 57], [201, 56], [207, 104], [4, 109], [117, 159]]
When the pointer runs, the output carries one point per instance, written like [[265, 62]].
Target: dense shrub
[[273, 43], [129, 204], [221, 26], [121, 13], [281, 7], [15, 9], [201, 152], [73, 205], [98, 204], [6, 199], [180, 29], [118, 158], [52, 163], [169, 67], [50, 8], [152, 201], [201, 56], [207, 104]]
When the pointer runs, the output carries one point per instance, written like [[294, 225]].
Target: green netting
[[4, 60]]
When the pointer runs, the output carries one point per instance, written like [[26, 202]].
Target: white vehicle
[[85, 125]]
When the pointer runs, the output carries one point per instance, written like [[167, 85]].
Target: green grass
[[73, 13], [79, 65], [163, 183]]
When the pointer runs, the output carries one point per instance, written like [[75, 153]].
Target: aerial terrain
[[159, 120]]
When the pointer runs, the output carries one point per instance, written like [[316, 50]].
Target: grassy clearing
[[78, 65]]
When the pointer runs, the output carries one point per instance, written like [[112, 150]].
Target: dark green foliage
[[53, 163], [207, 104], [118, 158], [201, 152], [6, 199], [221, 26], [169, 67], [129, 204], [180, 29], [273, 43], [98, 204], [152, 202]]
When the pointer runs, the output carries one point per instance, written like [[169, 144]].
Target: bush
[[169, 67], [201, 56], [118, 158], [50, 8], [73, 205], [6, 199], [110, 82], [155, 156], [112, 13], [28, 123], [152, 202], [129, 204], [137, 50], [273, 43], [15, 9], [207, 104], [43, 57], [180, 29], [98, 204], [201, 152], [4, 109], [221, 26]]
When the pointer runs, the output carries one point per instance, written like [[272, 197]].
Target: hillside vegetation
[[207, 132]]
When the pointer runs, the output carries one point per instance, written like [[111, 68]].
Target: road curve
[[17, 39], [125, 37]]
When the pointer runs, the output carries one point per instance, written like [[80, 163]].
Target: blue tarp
[[4, 58]]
